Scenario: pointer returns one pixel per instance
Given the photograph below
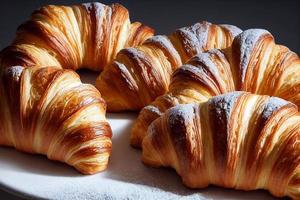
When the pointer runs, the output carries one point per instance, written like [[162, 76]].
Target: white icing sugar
[[190, 41], [99, 10], [195, 36], [162, 40], [121, 66], [153, 109], [217, 52], [165, 43], [89, 6], [181, 111], [201, 32], [206, 59], [224, 103], [247, 41], [142, 61], [136, 54], [273, 104], [234, 30], [14, 72]]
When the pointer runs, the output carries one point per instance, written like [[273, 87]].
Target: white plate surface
[[126, 177]]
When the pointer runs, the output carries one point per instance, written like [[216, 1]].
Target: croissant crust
[[87, 35], [238, 140], [254, 63], [49, 111], [139, 75]]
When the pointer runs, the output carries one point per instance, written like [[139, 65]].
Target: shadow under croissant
[[88, 76], [33, 163], [125, 165]]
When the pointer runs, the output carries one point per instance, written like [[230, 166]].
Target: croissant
[[237, 140], [253, 63], [49, 111], [139, 75], [80, 36]]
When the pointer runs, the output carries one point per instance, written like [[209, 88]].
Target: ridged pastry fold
[[237, 140], [49, 111], [254, 63], [140, 74], [86, 35]]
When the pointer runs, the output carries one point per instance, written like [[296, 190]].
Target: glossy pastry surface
[[139, 75], [254, 63], [237, 140], [86, 35], [49, 111]]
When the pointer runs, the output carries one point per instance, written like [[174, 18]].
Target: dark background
[[281, 18]]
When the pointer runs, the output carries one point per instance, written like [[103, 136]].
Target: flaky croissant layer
[[139, 75], [254, 63], [238, 140], [49, 111], [87, 35]]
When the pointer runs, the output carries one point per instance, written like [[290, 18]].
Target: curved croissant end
[[254, 63], [49, 111], [87, 35], [238, 140], [259, 65], [139, 75]]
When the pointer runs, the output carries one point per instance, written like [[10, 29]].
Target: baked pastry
[[254, 63], [71, 126], [49, 111], [237, 140], [139, 75], [80, 36]]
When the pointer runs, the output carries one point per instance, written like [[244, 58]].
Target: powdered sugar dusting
[[14, 72], [89, 6], [163, 41], [198, 71], [223, 104], [217, 52], [195, 36], [183, 113], [207, 60], [247, 41], [135, 54], [201, 31], [153, 109], [234, 31], [272, 105]]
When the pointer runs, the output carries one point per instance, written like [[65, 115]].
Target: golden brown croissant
[[87, 35], [237, 140], [139, 75], [49, 111], [254, 63]]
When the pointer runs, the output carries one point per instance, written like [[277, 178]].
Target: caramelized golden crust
[[254, 63], [49, 111], [139, 75], [237, 140], [87, 35]]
